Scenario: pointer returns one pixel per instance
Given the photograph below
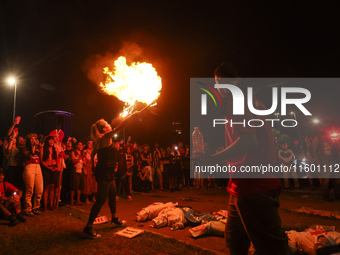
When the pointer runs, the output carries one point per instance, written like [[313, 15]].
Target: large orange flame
[[137, 82]]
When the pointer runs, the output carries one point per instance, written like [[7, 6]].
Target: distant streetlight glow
[[316, 121], [11, 81]]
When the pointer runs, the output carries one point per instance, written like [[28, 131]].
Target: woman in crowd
[[156, 165], [136, 156], [287, 157], [67, 173], [130, 166], [77, 177], [309, 156], [174, 169], [186, 167], [49, 164], [32, 177], [121, 174], [90, 187], [165, 167], [147, 161], [102, 133]]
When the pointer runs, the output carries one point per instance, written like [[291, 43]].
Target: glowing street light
[[316, 121], [12, 81]]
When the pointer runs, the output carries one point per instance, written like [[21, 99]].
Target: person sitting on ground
[[10, 205], [144, 181]]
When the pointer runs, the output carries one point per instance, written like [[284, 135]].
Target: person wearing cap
[[10, 205]]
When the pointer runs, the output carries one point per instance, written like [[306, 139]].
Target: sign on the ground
[[130, 232]]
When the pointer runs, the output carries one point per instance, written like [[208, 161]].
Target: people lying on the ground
[[150, 212], [212, 224], [211, 228], [10, 206], [313, 239], [179, 217], [172, 217]]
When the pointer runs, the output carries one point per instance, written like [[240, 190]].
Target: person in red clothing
[[253, 204], [10, 205]]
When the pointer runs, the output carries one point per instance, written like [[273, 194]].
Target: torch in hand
[[122, 123]]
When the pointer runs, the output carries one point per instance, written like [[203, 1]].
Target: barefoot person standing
[[102, 133]]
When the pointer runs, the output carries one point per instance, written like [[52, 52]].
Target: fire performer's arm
[[245, 143]]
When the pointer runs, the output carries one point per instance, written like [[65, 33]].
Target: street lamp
[[277, 115], [316, 121], [12, 81], [297, 126]]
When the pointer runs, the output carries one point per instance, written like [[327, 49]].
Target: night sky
[[55, 48]]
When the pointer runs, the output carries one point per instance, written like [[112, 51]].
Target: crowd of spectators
[[46, 172]]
